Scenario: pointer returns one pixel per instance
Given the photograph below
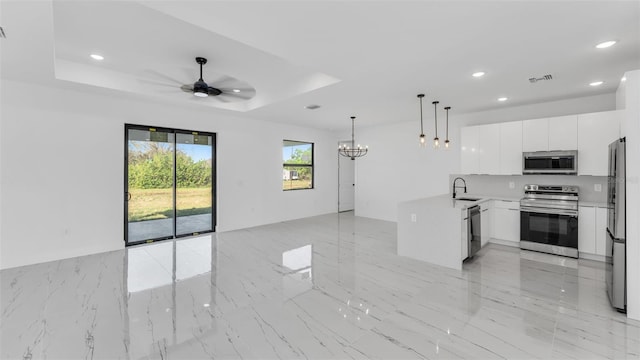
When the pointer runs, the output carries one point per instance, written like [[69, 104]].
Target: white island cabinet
[[434, 230]]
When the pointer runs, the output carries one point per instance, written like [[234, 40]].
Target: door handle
[[128, 196]]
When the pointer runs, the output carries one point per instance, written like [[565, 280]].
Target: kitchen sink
[[466, 199]]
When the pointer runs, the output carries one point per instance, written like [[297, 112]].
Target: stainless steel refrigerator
[[616, 276]]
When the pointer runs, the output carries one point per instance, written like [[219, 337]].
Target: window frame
[[311, 165]]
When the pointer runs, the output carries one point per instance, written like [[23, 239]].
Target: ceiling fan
[[224, 89]]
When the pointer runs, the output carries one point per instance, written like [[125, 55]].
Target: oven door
[[555, 228]]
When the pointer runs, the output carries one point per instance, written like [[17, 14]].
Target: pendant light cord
[[435, 113], [421, 126], [353, 126]]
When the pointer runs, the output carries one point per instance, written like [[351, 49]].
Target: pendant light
[[422, 138], [436, 141], [352, 152], [446, 142]]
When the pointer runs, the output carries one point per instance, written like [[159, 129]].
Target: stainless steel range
[[549, 219]]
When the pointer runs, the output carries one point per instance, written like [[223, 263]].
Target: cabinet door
[[489, 145], [601, 230], [485, 223], [511, 148], [595, 132], [563, 133], [464, 228], [469, 150], [587, 229], [506, 224], [535, 135]]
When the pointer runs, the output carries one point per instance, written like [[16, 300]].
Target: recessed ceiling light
[[606, 44], [596, 83], [97, 57], [236, 90], [503, 99], [478, 74], [624, 78]]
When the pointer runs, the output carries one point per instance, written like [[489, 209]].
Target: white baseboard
[[593, 257], [505, 242]]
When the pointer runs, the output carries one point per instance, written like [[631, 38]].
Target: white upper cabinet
[[511, 148], [496, 149], [469, 150], [563, 133], [595, 132], [535, 135], [489, 144]]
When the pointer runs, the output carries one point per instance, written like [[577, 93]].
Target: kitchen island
[[432, 229]]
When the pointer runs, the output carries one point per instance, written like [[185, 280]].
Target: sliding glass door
[[169, 188], [194, 185]]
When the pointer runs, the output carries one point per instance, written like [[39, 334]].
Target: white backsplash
[[498, 185]]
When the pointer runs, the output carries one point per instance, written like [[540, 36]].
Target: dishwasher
[[474, 238]]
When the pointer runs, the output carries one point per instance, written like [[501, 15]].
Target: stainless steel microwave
[[550, 162]]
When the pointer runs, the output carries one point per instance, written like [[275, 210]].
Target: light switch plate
[[413, 218], [512, 185], [597, 187]]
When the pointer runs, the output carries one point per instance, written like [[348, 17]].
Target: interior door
[[149, 184], [346, 182]]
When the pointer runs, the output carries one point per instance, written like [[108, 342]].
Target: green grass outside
[[296, 184], [152, 204]]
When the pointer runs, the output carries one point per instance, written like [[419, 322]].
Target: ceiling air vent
[[546, 77]]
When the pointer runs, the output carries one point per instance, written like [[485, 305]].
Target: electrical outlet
[[597, 187], [414, 218], [512, 185]]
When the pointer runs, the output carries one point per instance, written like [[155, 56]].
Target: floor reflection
[[325, 287], [170, 293], [299, 276]]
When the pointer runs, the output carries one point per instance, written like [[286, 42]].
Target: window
[[297, 165]]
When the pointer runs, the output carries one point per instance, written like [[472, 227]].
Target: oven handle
[[549, 211]]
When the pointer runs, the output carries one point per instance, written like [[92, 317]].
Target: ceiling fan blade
[[222, 80], [187, 88], [245, 96], [150, 82], [166, 77], [242, 90], [220, 98]]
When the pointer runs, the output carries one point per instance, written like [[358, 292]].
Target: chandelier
[[352, 151]]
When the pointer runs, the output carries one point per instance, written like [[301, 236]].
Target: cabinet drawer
[[506, 204]]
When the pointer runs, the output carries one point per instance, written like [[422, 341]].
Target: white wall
[[62, 169], [397, 170], [628, 98]]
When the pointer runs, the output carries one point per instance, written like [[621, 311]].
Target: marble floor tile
[[326, 287]]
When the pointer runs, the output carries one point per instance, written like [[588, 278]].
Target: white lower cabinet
[[592, 227], [485, 222], [464, 229], [505, 221], [601, 230], [587, 229]]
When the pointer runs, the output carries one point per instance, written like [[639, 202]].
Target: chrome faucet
[[454, 186]]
